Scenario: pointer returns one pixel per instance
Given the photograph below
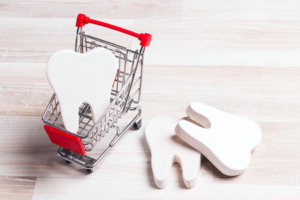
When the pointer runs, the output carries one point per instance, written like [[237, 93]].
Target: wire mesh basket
[[125, 96]]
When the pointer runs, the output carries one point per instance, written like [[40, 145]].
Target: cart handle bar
[[145, 38]]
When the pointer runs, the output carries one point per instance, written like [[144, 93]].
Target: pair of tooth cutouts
[[82, 78], [226, 140], [166, 148]]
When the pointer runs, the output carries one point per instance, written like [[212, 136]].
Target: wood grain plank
[[187, 52], [24, 89], [239, 56], [131, 9], [267, 10], [33, 40], [264, 94], [16, 187], [124, 189], [223, 41], [226, 35], [27, 151]]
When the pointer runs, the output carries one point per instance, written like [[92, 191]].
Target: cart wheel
[[137, 125], [90, 170], [68, 162]]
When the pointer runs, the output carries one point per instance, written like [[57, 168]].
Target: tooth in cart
[[82, 78]]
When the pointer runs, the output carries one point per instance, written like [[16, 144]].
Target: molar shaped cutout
[[82, 78], [227, 143], [166, 148]]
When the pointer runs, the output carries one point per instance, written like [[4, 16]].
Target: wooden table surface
[[242, 57]]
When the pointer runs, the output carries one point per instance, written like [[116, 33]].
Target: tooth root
[[166, 148], [98, 108], [70, 115], [161, 166], [190, 167], [191, 133], [193, 112], [82, 78]]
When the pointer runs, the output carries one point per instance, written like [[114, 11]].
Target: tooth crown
[[226, 140], [166, 148], [78, 78]]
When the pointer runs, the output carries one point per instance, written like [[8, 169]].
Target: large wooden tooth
[[166, 148], [226, 140], [82, 78]]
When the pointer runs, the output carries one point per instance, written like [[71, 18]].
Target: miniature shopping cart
[[125, 96]]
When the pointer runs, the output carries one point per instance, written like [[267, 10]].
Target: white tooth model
[[78, 78], [226, 140], [166, 148]]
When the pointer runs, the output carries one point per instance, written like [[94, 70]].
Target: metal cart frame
[[125, 95]]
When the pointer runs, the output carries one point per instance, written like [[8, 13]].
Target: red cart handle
[[145, 38]]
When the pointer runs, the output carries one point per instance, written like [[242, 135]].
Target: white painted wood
[[169, 10], [268, 11], [61, 188], [36, 39], [166, 148], [190, 52], [27, 151], [16, 187], [82, 78], [25, 90], [263, 87], [226, 140]]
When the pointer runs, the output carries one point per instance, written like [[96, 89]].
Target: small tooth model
[[226, 140], [166, 148], [78, 78]]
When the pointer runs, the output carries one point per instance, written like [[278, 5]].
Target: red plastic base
[[65, 140]]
